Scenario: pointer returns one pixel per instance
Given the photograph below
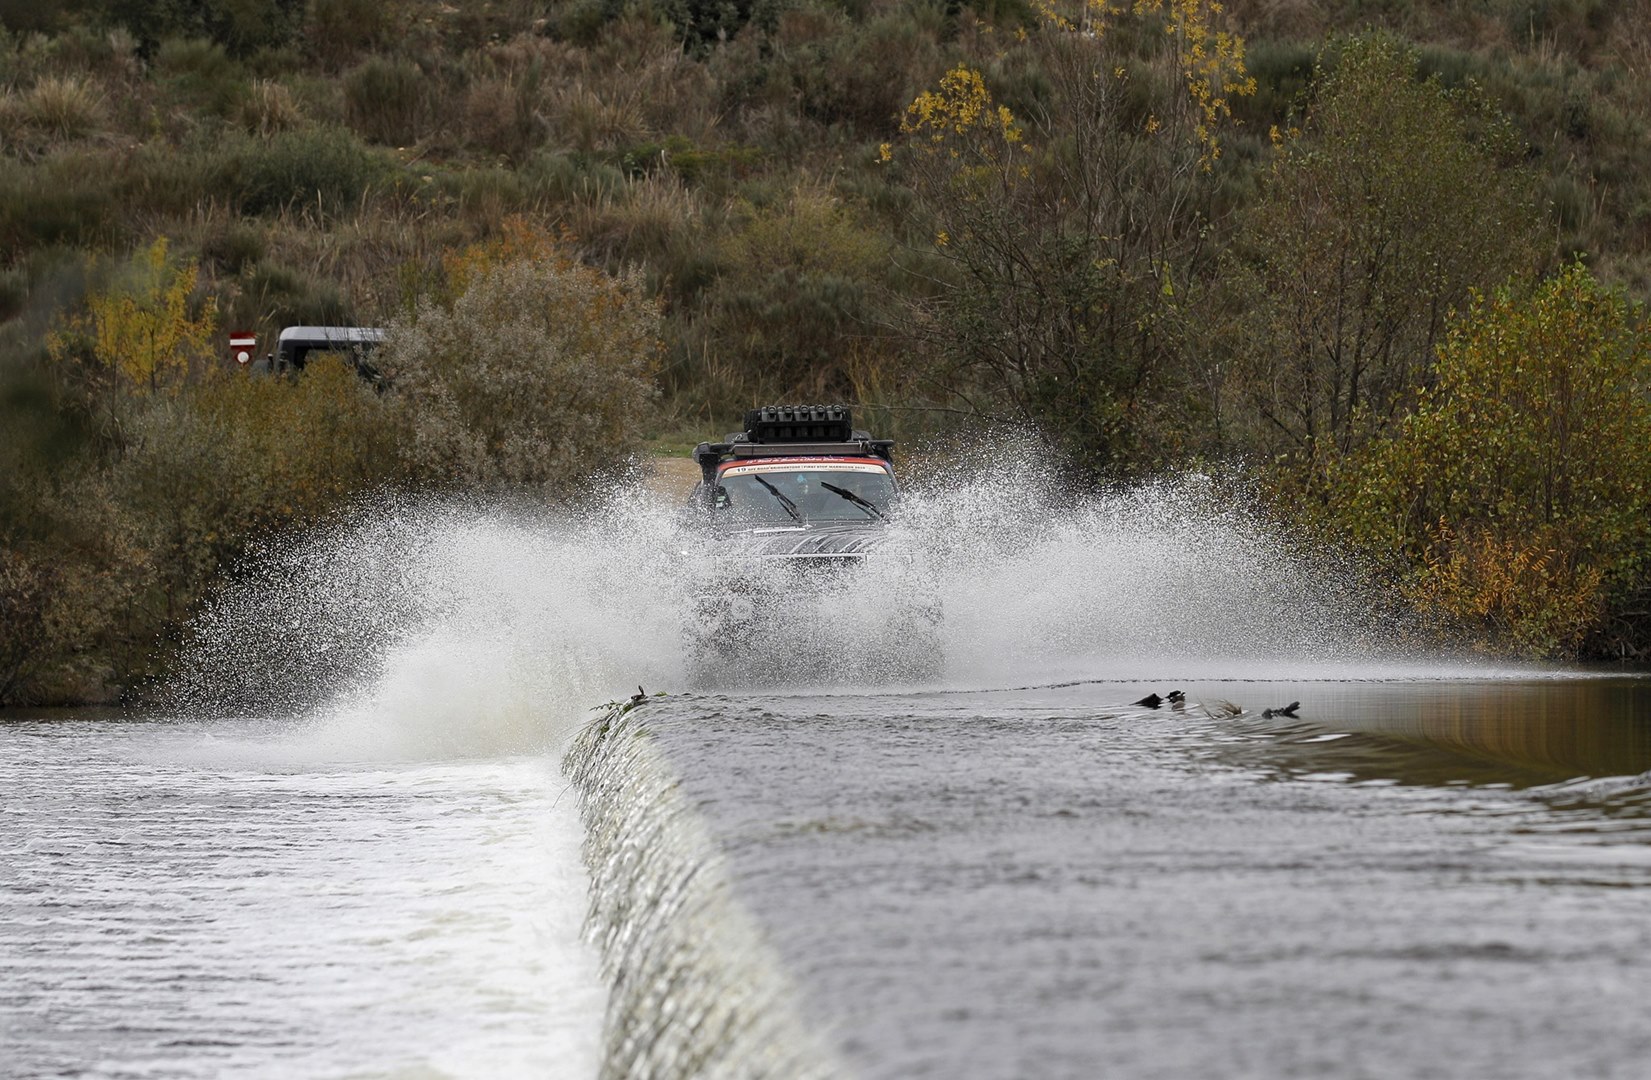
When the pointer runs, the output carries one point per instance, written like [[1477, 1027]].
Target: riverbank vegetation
[[1385, 262]]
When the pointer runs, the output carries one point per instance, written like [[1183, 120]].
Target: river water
[[211, 900], [344, 846], [1414, 878]]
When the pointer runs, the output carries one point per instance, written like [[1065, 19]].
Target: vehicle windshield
[[803, 496]]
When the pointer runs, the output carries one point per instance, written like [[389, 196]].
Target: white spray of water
[[419, 630], [1164, 581], [433, 652], [439, 630]]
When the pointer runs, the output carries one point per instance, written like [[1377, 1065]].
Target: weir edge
[[695, 990]]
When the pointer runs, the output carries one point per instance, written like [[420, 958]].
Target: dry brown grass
[[270, 108], [11, 123], [635, 84], [63, 107], [500, 118], [639, 223], [586, 119], [1628, 44], [369, 254]]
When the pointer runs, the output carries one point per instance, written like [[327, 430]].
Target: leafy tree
[[1519, 491], [241, 458], [143, 329], [1392, 201], [1073, 227], [65, 603]]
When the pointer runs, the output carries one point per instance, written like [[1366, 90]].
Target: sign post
[[242, 345]]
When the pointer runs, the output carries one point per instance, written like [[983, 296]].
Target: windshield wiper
[[863, 503], [785, 500]]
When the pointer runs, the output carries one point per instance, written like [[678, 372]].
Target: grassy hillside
[[1165, 237]]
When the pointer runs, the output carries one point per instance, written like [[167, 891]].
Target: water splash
[[1163, 580], [456, 627], [1170, 580], [440, 629]]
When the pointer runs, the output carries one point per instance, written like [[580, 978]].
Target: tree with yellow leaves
[[144, 330], [137, 338], [1518, 490]]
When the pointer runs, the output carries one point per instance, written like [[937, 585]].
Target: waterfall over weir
[[696, 991]]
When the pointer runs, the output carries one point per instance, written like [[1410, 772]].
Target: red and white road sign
[[242, 345]]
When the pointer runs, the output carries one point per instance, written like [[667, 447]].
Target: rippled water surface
[[1420, 878], [192, 900]]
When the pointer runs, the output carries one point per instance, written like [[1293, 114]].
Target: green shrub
[[241, 26], [864, 75], [201, 75], [29, 17], [70, 622], [1454, 68], [1518, 489], [320, 99], [324, 168], [302, 446], [483, 196], [248, 26], [234, 246], [1575, 25], [1283, 71], [275, 295], [581, 21], [337, 30], [158, 180], [388, 101], [14, 291], [241, 457], [65, 200], [556, 176], [797, 301]]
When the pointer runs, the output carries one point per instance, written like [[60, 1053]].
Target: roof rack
[[793, 431]]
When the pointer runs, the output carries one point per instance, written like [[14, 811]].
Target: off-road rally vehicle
[[801, 573]]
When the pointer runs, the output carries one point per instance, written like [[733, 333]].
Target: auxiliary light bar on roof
[[799, 423], [793, 431]]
